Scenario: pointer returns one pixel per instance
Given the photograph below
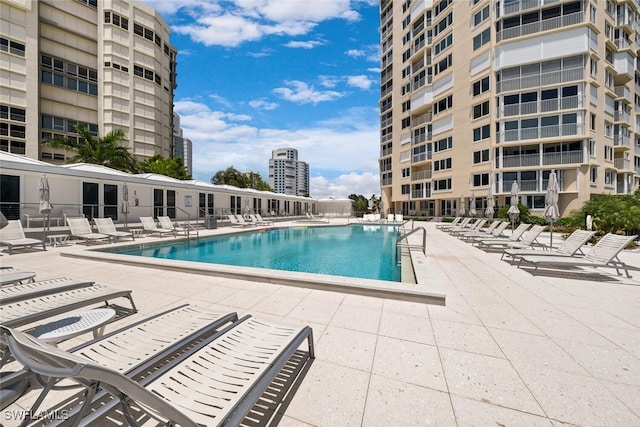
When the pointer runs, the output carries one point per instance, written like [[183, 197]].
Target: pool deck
[[508, 348]]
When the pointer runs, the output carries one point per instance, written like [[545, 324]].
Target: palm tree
[[105, 151]]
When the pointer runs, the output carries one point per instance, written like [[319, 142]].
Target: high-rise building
[[182, 147], [481, 93], [104, 64], [288, 175]]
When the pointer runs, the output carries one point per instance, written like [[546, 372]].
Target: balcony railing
[[540, 132], [517, 6], [421, 194], [421, 157], [544, 105], [539, 26], [421, 175], [622, 116], [622, 164], [555, 77], [621, 141], [563, 158], [520, 160], [532, 185]]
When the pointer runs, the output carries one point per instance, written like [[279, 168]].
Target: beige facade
[[104, 64], [483, 93]]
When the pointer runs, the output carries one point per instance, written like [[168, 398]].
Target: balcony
[[623, 92], [568, 129], [521, 160], [623, 43], [622, 116], [539, 26], [622, 164], [562, 76], [622, 141], [417, 158], [421, 193], [517, 6], [532, 185], [421, 175], [563, 158], [543, 106]]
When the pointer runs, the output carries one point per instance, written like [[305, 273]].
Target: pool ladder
[[399, 243]]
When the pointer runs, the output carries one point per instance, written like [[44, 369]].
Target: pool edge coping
[[348, 285]]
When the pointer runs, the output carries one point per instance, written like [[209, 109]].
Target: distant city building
[[104, 64], [288, 175], [182, 147]]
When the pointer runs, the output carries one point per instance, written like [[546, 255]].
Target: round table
[[16, 276], [75, 324]]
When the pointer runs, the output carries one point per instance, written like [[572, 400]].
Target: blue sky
[[256, 75]]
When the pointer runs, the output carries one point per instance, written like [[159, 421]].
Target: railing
[[563, 157], [514, 161], [621, 141], [539, 26], [420, 175], [520, 5], [622, 164], [407, 245], [554, 77], [541, 132]]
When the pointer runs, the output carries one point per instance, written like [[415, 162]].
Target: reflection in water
[[354, 251]]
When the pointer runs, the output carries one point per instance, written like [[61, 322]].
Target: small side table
[[58, 239], [74, 325]]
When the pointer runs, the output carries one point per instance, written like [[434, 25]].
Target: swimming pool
[[362, 251]]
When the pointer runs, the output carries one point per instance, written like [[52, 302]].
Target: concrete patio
[[509, 348]]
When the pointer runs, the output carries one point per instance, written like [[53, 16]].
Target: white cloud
[[366, 184], [234, 22], [343, 152], [262, 104], [301, 93], [362, 82], [329, 81], [355, 53], [304, 45]]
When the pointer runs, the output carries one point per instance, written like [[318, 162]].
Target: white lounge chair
[[81, 229], [216, 382], [140, 345], [495, 229], [569, 247], [454, 223], [106, 226], [602, 254], [27, 291], [474, 227], [528, 239], [514, 237], [262, 220], [166, 223], [12, 236], [235, 223], [464, 223], [149, 226], [23, 312]]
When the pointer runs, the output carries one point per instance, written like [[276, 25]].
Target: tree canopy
[[232, 176], [173, 167], [106, 151]]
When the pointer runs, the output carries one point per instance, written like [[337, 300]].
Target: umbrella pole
[[551, 239], [126, 223]]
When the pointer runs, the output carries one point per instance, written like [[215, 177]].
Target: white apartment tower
[[104, 64], [288, 175], [481, 93]]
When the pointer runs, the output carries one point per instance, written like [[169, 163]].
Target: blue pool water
[[354, 251]]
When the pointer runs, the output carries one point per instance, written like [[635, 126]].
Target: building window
[[481, 156], [12, 47], [481, 86], [443, 64], [481, 16], [443, 104], [443, 44], [483, 132], [482, 39], [593, 175], [443, 144], [442, 164], [592, 148], [608, 153], [480, 180], [481, 110], [442, 184], [406, 172], [405, 189]]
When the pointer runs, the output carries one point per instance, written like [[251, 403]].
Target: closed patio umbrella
[[3, 220], [551, 211], [489, 212], [472, 204], [125, 204], [513, 211], [462, 209], [45, 205]]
